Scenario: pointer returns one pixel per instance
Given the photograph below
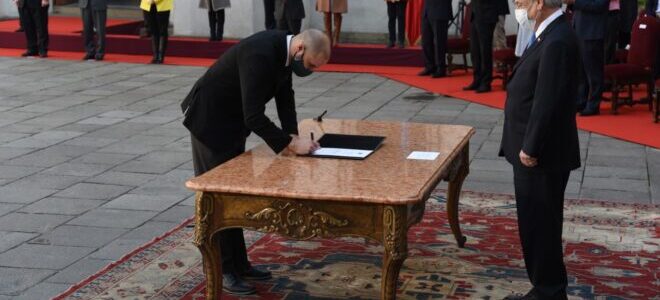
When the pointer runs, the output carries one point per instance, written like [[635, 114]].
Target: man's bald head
[[314, 46]]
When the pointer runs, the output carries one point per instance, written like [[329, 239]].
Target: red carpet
[[632, 124], [122, 39]]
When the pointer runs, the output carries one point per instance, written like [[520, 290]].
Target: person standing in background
[[35, 25], [396, 14], [435, 20], [590, 23], [269, 10], [289, 15], [216, 10], [94, 15], [485, 14], [158, 20], [612, 30], [628, 15], [332, 10]]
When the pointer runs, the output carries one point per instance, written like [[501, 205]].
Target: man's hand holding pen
[[303, 146]]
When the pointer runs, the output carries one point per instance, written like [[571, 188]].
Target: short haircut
[[316, 42], [552, 3]]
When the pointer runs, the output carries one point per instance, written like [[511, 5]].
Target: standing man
[[590, 23], [540, 140], [485, 14], [289, 15], [228, 103], [269, 10], [34, 18], [435, 20], [94, 14]]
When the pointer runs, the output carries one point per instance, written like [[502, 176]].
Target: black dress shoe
[[529, 296], [43, 54], [88, 56], [589, 112], [234, 284], [473, 86], [439, 74], [99, 56], [29, 53], [425, 72], [390, 45], [483, 89], [255, 274]]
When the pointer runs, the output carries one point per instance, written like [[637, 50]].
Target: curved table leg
[[395, 229], [207, 246], [456, 178]]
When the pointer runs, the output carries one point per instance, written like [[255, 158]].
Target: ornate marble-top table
[[304, 197]]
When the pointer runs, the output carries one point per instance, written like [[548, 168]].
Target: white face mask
[[521, 16]]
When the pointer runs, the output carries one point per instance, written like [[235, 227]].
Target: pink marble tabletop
[[386, 176]]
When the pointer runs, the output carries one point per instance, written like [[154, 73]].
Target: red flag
[[414, 21]]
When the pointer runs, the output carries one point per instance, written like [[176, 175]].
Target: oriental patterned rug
[[611, 251]]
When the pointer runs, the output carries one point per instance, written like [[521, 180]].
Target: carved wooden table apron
[[303, 198]]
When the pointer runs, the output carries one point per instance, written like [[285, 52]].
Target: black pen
[[311, 135]]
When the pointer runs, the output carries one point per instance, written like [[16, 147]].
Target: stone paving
[[93, 158]]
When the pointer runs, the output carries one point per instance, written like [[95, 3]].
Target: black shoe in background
[[439, 74], [43, 54], [473, 86], [589, 112], [483, 89], [390, 44], [234, 284], [425, 72], [88, 56], [99, 56], [29, 53]]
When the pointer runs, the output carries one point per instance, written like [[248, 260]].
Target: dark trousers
[[290, 25], [624, 39], [481, 52], [540, 208], [217, 24], [231, 241], [269, 9], [611, 35], [35, 25], [20, 19], [396, 14], [158, 22], [434, 44], [591, 85], [94, 19]]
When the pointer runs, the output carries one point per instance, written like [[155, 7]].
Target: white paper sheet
[[423, 155], [341, 152]]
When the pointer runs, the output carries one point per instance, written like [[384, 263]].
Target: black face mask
[[298, 67]]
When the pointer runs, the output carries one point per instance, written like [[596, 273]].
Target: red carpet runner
[[632, 124]]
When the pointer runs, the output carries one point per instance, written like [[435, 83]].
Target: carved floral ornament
[[296, 220]]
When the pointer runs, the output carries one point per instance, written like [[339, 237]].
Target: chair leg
[[450, 63], [650, 86], [615, 97]]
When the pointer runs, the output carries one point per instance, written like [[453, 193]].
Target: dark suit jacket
[[96, 4], [539, 114], [488, 11], [590, 18], [294, 9], [229, 100], [437, 9]]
